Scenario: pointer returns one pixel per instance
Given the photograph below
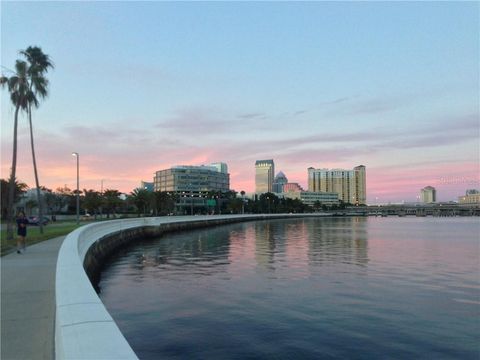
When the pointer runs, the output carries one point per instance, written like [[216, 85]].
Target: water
[[332, 288]]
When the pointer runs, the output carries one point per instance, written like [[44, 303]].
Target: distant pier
[[420, 210]]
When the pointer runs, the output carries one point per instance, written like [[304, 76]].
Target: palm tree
[[20, 95], [20, 189], [39, 63]]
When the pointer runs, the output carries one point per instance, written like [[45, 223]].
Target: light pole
[[101, 197], [191, 203], [78, 186]]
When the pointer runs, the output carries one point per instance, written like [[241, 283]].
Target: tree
[[20, 95], [164, 202], [268, 202], [66, 198], [243, 201], [20, 189], [141, 198], [92, 201], [38, 65], [30, 204], [111, 200]]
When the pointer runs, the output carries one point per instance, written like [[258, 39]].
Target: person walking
[[22, 223]]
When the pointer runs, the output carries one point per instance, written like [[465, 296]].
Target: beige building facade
[[470, 197], [350, 185], [428, 195]]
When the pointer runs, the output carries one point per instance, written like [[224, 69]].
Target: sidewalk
[[28, 302]]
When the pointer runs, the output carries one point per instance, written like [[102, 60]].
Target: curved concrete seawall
[[83, 327]]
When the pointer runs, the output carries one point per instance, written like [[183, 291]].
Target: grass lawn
[[33, 234]]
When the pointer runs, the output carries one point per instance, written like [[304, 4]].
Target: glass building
[[264, 173], [279, 182]]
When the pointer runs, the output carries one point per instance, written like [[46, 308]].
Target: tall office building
[[428, 194], [264, 173], [350, 185], [279, 182]]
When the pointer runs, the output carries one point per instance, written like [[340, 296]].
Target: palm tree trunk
[[11, 184], [39, 200]]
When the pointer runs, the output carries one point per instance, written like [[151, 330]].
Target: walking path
[[28, 302]]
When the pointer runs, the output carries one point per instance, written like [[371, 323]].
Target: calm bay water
[[357, 288]]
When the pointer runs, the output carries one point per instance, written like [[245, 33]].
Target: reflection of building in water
[[204, 250], [338, 240], [265, 244], [242, 250], [296, 252]]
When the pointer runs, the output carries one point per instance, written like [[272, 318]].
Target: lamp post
[[191, 203], [78, 186]]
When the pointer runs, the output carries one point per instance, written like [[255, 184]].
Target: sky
[[142, 86]]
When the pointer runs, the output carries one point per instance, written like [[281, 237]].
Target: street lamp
[[191, 203], [78, 186]]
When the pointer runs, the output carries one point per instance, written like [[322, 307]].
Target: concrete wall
[[83, 327]]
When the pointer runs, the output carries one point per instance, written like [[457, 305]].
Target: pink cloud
[[123, 155]]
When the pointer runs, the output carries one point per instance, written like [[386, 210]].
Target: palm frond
[[39, 61], [3, 81]]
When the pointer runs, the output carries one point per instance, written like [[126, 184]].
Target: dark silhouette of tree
[[142, 199], [111, 201], [38, 65], [92, 201], [20, 189], [20, 95]]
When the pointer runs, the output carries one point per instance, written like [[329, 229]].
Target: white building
[[428, 195], [310, 198]]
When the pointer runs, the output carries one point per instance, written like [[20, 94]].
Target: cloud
[[299, 112], [252, 115], [336, 101], [125, 153], [194, 121]]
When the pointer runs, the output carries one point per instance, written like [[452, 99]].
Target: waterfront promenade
[[28, 302]]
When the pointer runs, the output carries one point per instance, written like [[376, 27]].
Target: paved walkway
[[28, 302]]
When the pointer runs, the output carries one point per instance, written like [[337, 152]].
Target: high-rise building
[[264, 172], [279, 181], [350, 185], [428, 195]]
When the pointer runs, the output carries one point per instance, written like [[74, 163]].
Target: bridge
[[437, 210]]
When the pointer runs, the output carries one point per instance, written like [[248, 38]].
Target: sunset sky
[[142, 86]]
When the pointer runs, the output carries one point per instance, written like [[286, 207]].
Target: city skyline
[[146, 86]]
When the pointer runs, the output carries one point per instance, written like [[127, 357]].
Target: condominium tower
[[428, 195], [350, 185], [264, 173]]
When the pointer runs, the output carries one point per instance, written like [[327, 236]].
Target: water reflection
[[303, 288], [274, 246]]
